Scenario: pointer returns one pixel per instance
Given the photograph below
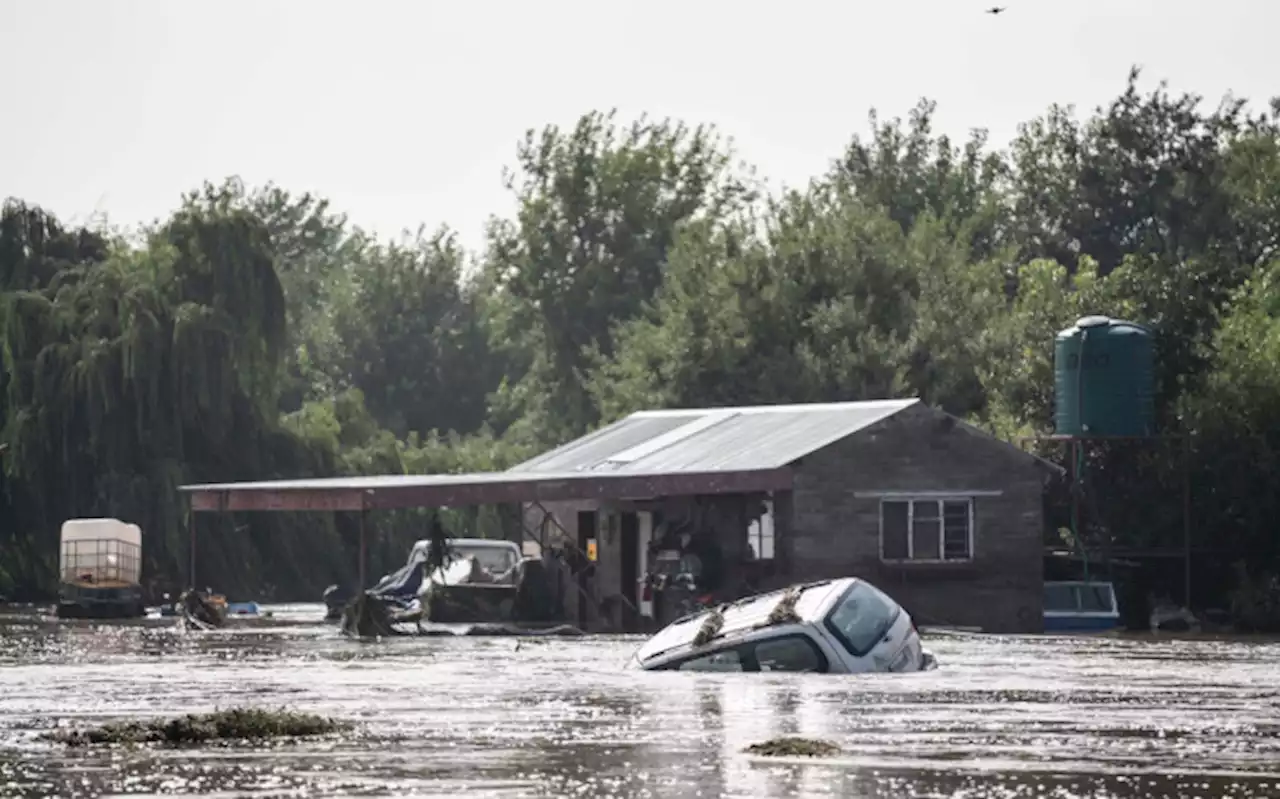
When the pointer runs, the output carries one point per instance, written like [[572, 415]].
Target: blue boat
[[1080, 607]]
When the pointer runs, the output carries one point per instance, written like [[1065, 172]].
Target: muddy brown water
[[1001, 717]]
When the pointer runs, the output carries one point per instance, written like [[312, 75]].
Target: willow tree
[[155, 365], [34, 249]]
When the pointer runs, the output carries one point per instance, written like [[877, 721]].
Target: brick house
[[942, 516]]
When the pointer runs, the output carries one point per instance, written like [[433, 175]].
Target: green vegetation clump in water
[[223, 725], [793, 747]]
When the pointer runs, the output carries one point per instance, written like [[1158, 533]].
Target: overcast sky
[[405, 112]]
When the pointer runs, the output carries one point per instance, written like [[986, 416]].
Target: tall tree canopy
[[257, 333]]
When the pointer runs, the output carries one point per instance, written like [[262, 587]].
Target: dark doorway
[[630, 568], [588, 521]]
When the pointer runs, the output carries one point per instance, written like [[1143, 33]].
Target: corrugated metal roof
[[714, 439], [598, 446]]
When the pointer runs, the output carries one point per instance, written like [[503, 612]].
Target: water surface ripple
[[1003, 717]]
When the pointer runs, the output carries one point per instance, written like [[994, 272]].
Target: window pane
[[728, 660], [1060, 597], [1095, 598], [793, 653], [766, 545], [893, 524], [861, 617], [926, 530], [955, 526]]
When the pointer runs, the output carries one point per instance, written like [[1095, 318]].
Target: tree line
[[257, 333]]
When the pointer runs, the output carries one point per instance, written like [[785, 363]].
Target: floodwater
[[1001, 717]]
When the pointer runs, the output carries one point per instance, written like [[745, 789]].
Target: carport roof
[[439, 490]]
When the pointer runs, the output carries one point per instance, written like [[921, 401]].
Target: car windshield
[[861, 617], [494, 560]]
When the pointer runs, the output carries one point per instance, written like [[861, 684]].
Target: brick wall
[[834, 532]]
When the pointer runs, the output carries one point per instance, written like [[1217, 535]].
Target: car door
[[726, 659], [789, 652]]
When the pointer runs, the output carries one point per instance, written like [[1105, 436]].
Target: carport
[[363, 494]]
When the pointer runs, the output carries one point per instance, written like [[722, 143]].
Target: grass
[[244, 724], [793, 747]]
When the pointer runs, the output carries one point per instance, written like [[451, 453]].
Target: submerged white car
[[845, 626]]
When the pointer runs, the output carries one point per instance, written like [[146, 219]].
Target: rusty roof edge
[[481, 489], [406, 481]]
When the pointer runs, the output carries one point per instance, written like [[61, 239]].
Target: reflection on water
[[1002, 717]]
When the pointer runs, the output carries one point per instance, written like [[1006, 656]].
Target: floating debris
[[793, 747], [202, 611], [710, 628], [246, 724], [785, 611], [368, 617]]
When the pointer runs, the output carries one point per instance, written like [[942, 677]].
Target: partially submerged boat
[[483, 581], [202, 610], [843, 626], [1080, 606], [99, 569]]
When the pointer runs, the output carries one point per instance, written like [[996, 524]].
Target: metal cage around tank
[[100, 560]]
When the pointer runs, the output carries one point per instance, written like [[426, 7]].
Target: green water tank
[[1104, 379]]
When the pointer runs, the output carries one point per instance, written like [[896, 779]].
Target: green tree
[[413, 338], [599, 208]]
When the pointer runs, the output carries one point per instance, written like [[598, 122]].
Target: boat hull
[[1080, 624]]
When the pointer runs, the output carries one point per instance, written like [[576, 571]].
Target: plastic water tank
[[1104, 379]]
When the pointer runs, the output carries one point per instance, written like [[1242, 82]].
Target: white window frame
[[911, 528], [761, 529]]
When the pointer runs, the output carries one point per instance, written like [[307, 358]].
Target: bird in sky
[[996, 9]]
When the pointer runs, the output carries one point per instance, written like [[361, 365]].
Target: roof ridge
[[794, 407]]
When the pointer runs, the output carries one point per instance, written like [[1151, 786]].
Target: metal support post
[[191, 547]]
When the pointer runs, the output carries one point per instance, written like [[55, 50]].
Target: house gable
[[931, 460], [942, 436]]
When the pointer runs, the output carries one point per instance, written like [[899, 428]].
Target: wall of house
[[835, 522], [722, 517]]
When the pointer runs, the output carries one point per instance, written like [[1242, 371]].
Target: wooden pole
[[363, 548], [1186, 520], [191, 547]]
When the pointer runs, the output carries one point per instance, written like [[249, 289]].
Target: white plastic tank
[[100, 550]]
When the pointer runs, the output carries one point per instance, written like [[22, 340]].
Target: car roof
[[495, 543], [741, 618], [483, 542]]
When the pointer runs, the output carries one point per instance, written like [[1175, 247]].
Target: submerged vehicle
[[1078, 606], [99, 570], [844, 626]]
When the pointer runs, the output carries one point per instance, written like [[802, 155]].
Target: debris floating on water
[[244, 724], [793, 747]]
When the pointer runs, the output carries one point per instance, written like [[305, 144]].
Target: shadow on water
[[1002, 717]]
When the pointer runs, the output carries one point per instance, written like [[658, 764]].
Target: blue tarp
[[403, 584]]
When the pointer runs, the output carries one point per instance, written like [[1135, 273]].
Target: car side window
[[796, 653], [725, 660]]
